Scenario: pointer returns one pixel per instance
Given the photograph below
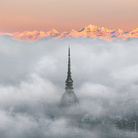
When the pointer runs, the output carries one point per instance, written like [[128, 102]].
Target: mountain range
[[90, 31]]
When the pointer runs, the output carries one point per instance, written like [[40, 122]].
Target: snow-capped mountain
[[90, 31]]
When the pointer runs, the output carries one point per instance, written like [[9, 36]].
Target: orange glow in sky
[[63, 15]]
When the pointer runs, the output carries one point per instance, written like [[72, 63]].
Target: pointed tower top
[[68, 98], [69, 81]]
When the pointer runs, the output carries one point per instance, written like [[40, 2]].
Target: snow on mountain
[[90, 31]]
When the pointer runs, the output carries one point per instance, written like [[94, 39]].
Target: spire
[[69, 81], [68, 98]]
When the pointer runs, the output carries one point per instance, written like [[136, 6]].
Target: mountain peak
[[53, 31], [91, 26], [135, 30]]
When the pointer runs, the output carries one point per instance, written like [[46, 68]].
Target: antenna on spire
[[69, 66]]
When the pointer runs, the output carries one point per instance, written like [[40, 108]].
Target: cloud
[[32, 83]]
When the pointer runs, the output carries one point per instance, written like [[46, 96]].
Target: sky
[[64, 15], [33, 80]]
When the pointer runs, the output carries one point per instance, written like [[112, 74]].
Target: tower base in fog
[[68, 99]]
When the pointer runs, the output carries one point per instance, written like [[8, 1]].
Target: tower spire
[[69, 81], [68, 98]]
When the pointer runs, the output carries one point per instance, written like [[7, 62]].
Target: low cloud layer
[[32, 82]]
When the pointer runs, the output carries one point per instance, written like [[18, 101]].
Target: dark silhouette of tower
[[69, 98]]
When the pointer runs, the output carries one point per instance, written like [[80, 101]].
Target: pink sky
[[63, 15]]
